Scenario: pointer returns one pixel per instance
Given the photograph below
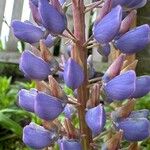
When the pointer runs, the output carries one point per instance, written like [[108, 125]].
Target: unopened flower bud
[[121, 87], [37, 137], [53, 20], [130, 4], [73, 74], [96, 119], [135, 129], [33, 66], [142, 87], [72, 144], [143, 113], [106, 29], [23, 30], [56, 89], [130, 42], [27, 99], [48, 107], [35, 12], [69, 110]]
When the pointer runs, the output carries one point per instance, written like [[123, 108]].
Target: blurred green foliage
[[12, 118]]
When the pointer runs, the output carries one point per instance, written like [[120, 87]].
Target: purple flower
[[35, 12], [121, 87], [37, 137], [142, 87], [105, 30], [114, 69], [130, 42], [105, 49], [49, 41], [129, 3], [33, 66], [144, 113], [73, 74], [69, 110], [53, 20], [136, 129], [27, 99], [48, 107], [96, 119], [27, 32], [69, 144]]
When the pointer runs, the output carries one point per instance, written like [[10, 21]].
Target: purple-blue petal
[[73, 74], [96, 119], [105, 30], [142, 87], [23, 30], [27, 99], [48, 107], [69, 144], [69, 110], [143, 113], [129, 3], [130, 42], [106, 49], [49, 41], [52, 19], [135, 129], [33, 66], [121, 87], [37, 137], [35, 12]]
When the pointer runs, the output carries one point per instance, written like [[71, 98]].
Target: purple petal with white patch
[[23, 30], [142, 87], [69, 144], [96, 119], [105, 30], [130, 42], [121, 87], [48, 107], [73, 74], [53, 20], [37, 137], [135, 129], [27, 99], [33, 66]]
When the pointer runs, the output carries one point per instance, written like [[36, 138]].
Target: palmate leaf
[[10, 124]]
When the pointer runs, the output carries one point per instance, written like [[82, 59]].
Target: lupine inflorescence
[[112, 29]]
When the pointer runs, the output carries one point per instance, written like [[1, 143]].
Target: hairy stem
[[79, 54]]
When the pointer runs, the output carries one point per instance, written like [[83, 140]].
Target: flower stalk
[[79, 51]]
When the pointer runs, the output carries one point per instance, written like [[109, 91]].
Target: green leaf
[[10, 124]]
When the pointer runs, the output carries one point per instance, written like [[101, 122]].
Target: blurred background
[[13, 118]]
